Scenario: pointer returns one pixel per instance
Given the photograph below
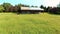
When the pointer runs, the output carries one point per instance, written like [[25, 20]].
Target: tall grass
[[29, 23]]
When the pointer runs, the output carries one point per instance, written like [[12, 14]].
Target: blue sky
[[33, 2]]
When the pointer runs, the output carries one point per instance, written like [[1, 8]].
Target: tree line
[[7, 7], [51, 10]]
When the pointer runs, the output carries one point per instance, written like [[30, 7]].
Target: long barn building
[[31, 10]]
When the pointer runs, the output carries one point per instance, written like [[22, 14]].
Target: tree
[[19, 8], [1, 8], [48, 8], [32, 6], [55, 10], [42, 7], [23, 5], [58, 5], [36, 6], [6, 6]]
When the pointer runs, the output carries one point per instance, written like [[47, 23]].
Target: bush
[[1, 8], [54, 10]]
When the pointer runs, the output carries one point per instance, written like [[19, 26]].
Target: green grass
[[29, 23]]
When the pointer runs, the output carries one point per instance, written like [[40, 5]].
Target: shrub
[[1, 8], [54, 10]]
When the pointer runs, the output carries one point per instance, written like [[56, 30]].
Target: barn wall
[[31, 11]]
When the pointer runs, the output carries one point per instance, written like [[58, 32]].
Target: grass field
[[29, 23]]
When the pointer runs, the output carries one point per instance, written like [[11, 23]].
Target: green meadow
[[42, 23]]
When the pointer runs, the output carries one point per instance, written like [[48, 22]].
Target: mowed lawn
[[11, 23]]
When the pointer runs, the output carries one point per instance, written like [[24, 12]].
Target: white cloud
[[51, 2]]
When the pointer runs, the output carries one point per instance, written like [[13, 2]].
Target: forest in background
[[7, 7]]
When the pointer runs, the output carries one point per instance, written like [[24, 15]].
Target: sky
[[33, 2]]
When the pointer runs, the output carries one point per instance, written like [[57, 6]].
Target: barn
[[30, 10]]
